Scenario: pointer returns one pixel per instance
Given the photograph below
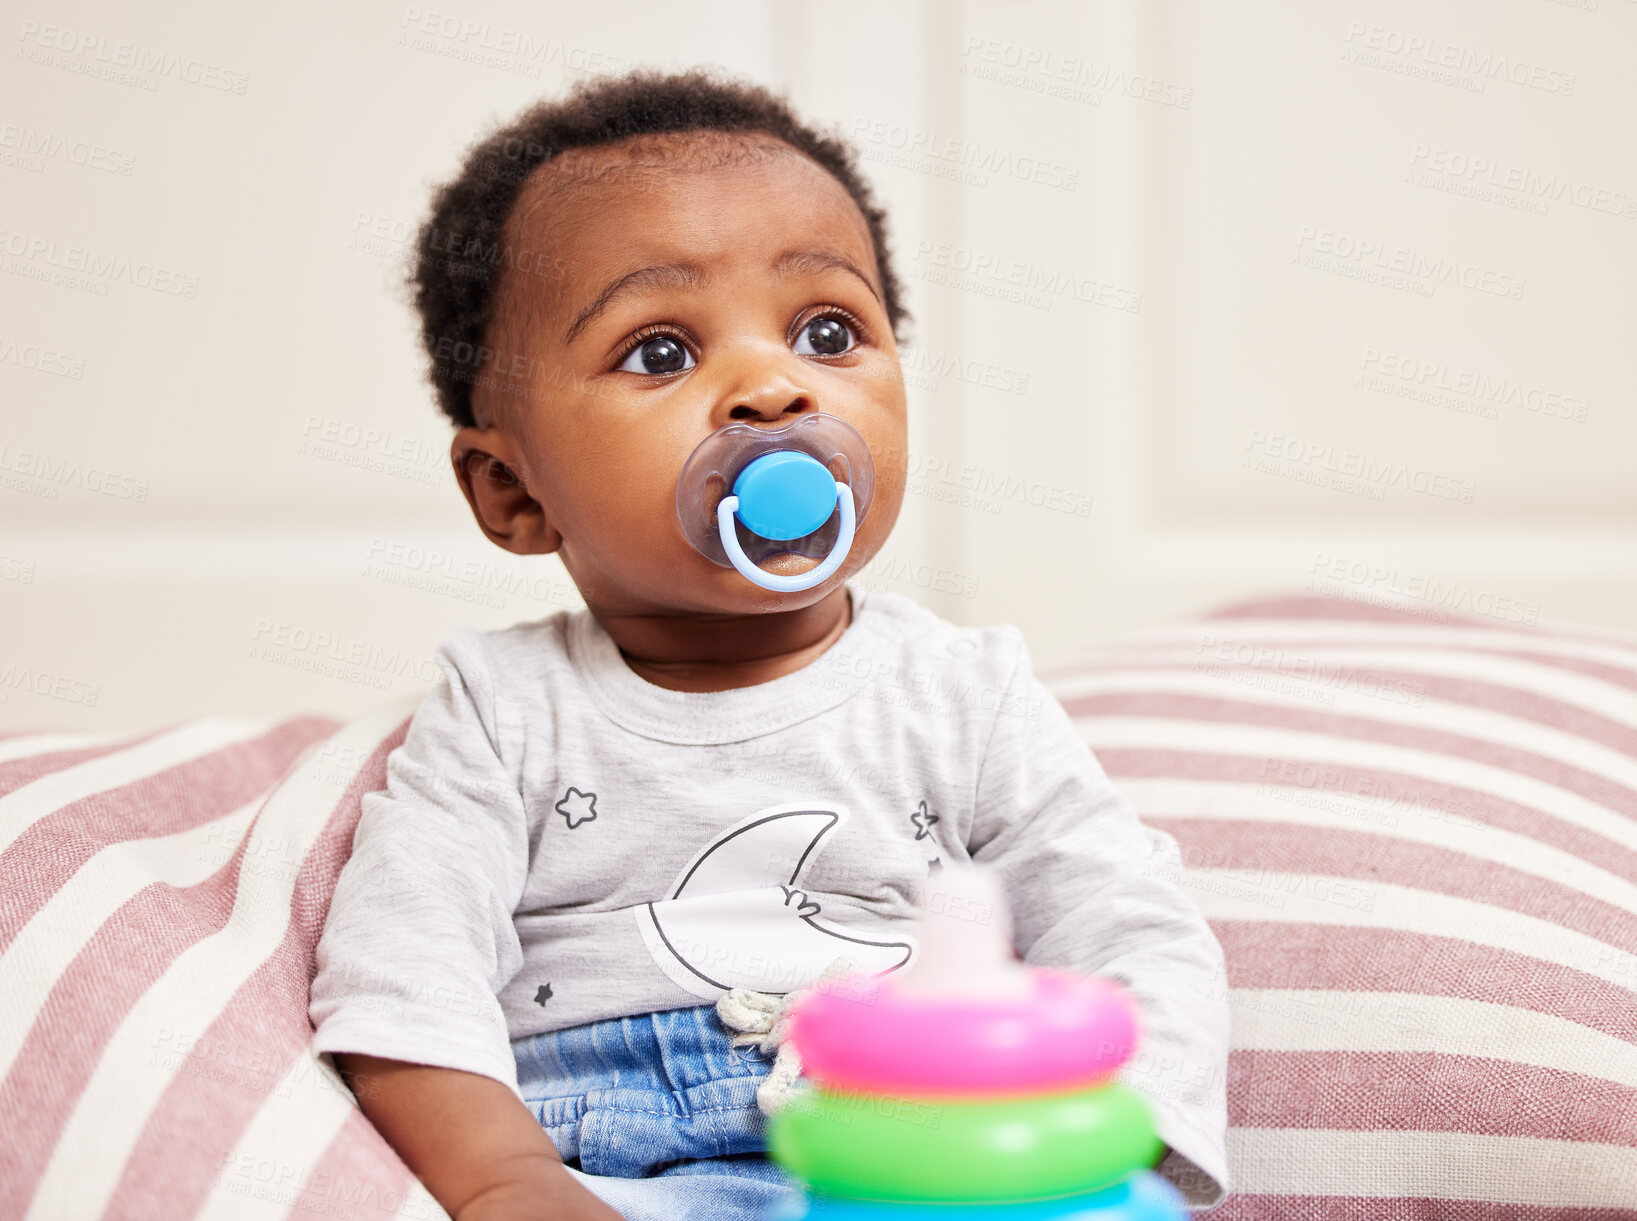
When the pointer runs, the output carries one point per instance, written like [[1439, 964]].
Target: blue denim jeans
[[656, 1115]]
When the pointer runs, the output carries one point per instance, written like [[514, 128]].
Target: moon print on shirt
[[736, 917]]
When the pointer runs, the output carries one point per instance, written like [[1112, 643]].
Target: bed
[[1414, 833]]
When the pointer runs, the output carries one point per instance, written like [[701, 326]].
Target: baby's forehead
[[586, 181], [565, 196], [637, 159]]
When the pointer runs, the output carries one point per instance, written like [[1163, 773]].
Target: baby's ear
[[486, 466]]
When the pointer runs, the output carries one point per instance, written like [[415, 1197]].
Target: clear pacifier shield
[[715, 466]]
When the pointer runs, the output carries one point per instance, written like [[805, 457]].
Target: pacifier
[[747, 493]]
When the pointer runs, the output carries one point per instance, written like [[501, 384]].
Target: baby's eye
[[661, 354], [825, 335]]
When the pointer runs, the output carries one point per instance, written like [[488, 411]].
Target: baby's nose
[[771, 405]]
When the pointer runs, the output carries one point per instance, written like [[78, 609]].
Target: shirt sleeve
[[1094, 890], [419, 940]]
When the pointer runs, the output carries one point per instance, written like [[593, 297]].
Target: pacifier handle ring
[[769, 580]]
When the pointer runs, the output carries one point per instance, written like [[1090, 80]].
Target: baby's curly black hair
[[461, 255]]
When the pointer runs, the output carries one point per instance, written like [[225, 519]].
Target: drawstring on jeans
[[764, 1017]]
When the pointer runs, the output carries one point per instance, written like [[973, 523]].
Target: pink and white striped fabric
[[1416, 841], [160, 898]]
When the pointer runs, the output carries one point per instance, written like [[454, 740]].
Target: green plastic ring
[[881, 1147]]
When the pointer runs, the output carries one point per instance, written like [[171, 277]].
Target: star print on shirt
[[542, 994], [577, 807], [923, 821]]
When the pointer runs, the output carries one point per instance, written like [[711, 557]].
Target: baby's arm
[[417, 944], [470, 1141], [1092, 889]]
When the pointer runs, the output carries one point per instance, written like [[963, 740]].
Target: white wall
[[1270, 143], [1002, 135]]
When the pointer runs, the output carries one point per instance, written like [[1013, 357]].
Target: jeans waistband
[[627, 1094], [672, 1050]]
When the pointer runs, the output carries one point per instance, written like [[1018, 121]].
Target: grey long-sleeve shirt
[[561, 841]]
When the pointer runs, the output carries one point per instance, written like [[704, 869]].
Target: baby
[[616, 841]]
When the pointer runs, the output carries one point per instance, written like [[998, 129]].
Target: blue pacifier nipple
[[782, 494], [785, 494]]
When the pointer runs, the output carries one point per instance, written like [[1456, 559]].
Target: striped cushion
[[1417, 843], [160, 898]]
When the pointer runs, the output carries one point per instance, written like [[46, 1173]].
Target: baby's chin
[[732, 593]]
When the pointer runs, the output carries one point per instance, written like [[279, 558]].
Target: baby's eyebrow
[[795, 262], [661, 275], [691, 275]]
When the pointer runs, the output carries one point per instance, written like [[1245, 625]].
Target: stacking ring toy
[[1074, 1031], [1144, 1196], [889, 1148], [968, 1077], [748, 493]]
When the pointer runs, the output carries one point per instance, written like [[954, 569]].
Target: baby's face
[[671, 295]]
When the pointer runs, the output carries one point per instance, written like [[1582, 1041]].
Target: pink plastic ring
[[856, 1033]]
